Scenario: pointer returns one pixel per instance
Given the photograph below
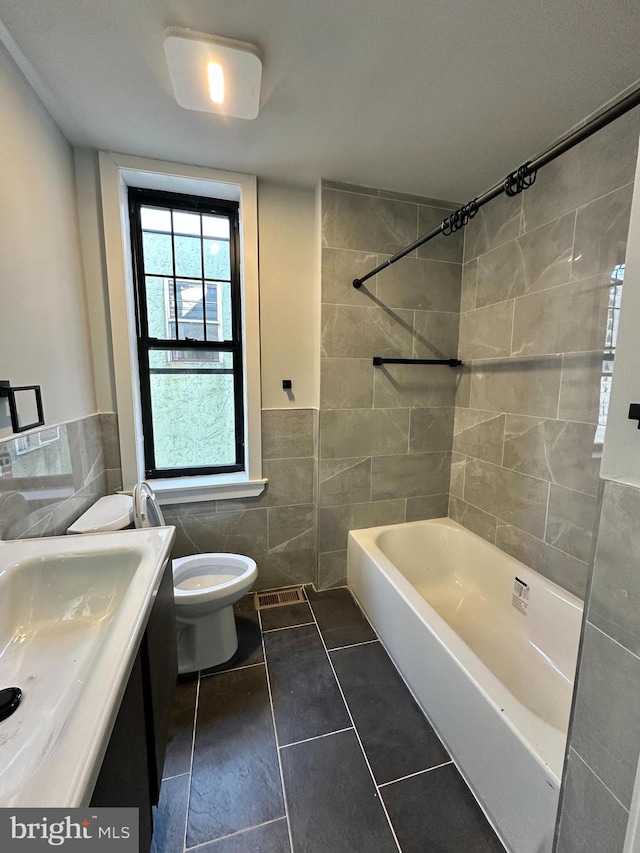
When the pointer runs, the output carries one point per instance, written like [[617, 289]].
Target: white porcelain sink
[[72, 613]]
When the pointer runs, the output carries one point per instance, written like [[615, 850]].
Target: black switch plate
[[634, 412], [286, 385]]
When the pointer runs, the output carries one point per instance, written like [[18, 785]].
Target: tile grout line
[[275, 734], [232, 669], [233, 834], [285, 628], [417, 773], [193, 748], [353, 645], [316, 737], [355, 730]]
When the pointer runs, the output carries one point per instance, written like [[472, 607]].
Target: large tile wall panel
[[385, 433], [540, 272]]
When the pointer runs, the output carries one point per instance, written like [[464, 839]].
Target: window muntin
[[187, 285]]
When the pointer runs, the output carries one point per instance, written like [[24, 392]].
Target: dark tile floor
[[308, 741]]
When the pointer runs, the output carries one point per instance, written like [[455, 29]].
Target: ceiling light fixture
[[214, 74]]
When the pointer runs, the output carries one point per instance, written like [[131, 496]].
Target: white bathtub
[[495, 682]]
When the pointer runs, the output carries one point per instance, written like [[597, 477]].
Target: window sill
[[218, 487]]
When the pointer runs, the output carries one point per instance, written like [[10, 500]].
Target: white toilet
[[205, 586]]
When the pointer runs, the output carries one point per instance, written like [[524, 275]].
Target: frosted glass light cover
[[188, 56]]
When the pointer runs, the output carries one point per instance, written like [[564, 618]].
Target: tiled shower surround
[[48, 477], [538, 313], [386, 432]]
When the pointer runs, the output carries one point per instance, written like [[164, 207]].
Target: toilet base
[[207, 640]]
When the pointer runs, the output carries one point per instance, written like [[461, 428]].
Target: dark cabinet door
[[124, 776], [161, 674]]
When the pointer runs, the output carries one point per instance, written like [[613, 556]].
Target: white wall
[[621, 455], [44, 339], [288, 233]]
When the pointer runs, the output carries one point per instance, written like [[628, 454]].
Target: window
[[185, 259]]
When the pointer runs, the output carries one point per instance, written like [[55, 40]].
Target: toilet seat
[[208, 577]]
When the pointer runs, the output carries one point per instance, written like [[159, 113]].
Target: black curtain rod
[[515, 182]]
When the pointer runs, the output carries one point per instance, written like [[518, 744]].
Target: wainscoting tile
[[559, 451], [332, 569], [435, 334], [436, 811], [421, 285], [559, 567], [615, 592], [339, 618], [346, 383], [287, 433], [410, 475], [441, 248], [571, 318], [345, 434], [334, 523], [290, 482], [591, 820], [479, 434], [571, 520], [235, 781], [357, 332], [236, 531], [429, 506], [600, 164], [494, 224], [580, 387], [601, 234], [606, 719], [486, 332], [394, 732], [367, 223], [456, 485], [469, 283], [291, 555], [339, 268], [344, 481], [519, 386], [408, 385], [332, 802], [474, 519], [431, 429], [306, 697], [515, 498]]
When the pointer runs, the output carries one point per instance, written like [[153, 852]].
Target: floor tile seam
[[175, 776], [357, 603], [286, 628], [358, 738], [417, 773], [193, 747], [316, 737], [275, 735], [232, 669], [233, 834], [353, 645]]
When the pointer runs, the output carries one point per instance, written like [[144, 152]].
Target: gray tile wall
[[536, 286], [385, 433], [278, 528], [51, 476], [605, 730]]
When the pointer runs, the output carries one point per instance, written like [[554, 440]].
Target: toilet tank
[[113, 512]]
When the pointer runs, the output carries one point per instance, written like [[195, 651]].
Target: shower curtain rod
[[515, 182]]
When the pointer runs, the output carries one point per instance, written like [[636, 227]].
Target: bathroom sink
[[72, 613]]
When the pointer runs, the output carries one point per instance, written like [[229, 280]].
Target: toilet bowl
[[205, 586]]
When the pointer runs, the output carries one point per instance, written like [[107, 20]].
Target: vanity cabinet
[[132, 767]]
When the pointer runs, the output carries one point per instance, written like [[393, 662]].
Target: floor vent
[[266, 600]]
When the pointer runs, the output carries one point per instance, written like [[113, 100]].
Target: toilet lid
[[146, 512]]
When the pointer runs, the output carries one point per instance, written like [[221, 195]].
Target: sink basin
[[72, 613]]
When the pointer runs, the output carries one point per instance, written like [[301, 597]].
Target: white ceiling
[[435, 97]]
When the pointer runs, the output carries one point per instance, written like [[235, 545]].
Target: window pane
[[216, 259], [193, 414], [186, 223], [218, 307], [188, 256], [154, 219], [215, 226], [160, 309], [158, 258]]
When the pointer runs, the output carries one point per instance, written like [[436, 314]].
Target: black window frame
[[138, 198]]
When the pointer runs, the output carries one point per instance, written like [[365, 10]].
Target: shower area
[[505, 436]]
